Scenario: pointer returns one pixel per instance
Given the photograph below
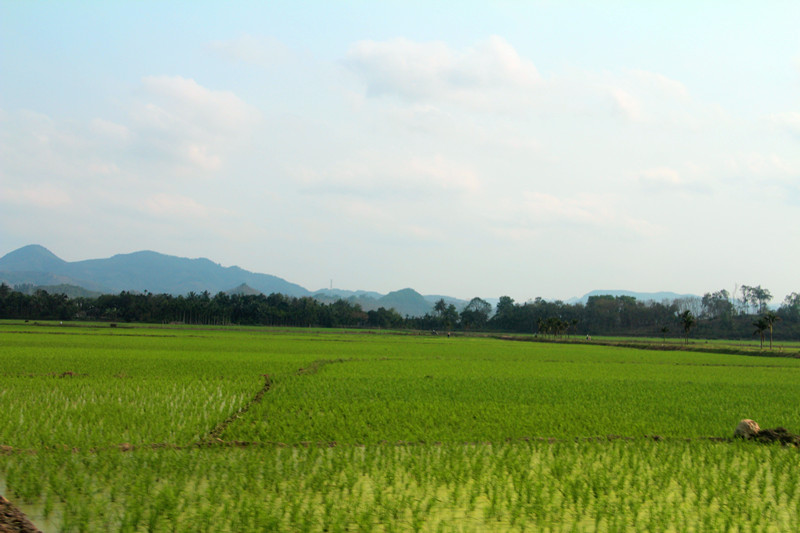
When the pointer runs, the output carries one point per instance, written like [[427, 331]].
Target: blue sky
[[471, 149]]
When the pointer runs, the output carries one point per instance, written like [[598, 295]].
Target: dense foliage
[[716, 315]]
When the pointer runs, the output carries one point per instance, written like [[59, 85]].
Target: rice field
[[180, 429]]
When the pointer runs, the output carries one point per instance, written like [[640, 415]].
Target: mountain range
[[35, 266], [138, 271]]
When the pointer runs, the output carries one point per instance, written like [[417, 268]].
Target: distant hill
[[46, 279], [138, 271], [341, 294], [459, 303], [245, 290], [407, 302], [641, 296], [71, 291], [32, 258]]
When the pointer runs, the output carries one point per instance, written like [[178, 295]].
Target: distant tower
[[331, 284]]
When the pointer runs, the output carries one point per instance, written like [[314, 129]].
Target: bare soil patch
[[778, 434], [12, 520]]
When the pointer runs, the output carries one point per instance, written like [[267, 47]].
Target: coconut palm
[[761, 326], [770, 318], [688, 321]]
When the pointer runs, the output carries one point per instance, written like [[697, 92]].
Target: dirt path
[[213, 436]]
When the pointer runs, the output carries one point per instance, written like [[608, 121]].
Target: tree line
[[715, 315]]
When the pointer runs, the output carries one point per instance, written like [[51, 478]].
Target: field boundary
[[315, 366], [656, 346]]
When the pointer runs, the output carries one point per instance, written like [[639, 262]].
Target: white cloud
[[34, 148], [401, 67], [257, 50], [379, 174], [151, 116], [374, 222], [176, 206], [661, 178], [105, 169], [44, 196], [534, 213], [421, 71], [42, 132], [650, 97], [175, 128], [770, 177], [202, 157], [790, 121], [660, 83], [184, 101], [491, 76], [419, 118], [110, 130], [757, 167], [494, 62], [193, 127], [629, 105], [547, 208], [444, 174]]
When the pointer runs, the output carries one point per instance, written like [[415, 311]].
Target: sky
[[529, 149]]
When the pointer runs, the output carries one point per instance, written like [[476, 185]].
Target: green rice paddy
[[180, 429]]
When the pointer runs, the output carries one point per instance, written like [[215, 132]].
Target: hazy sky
[[461, 148]]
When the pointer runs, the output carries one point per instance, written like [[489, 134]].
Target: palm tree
[[770, 318], [761, 326], [688, 321]]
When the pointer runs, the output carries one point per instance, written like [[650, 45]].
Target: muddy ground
[[12, 520]]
